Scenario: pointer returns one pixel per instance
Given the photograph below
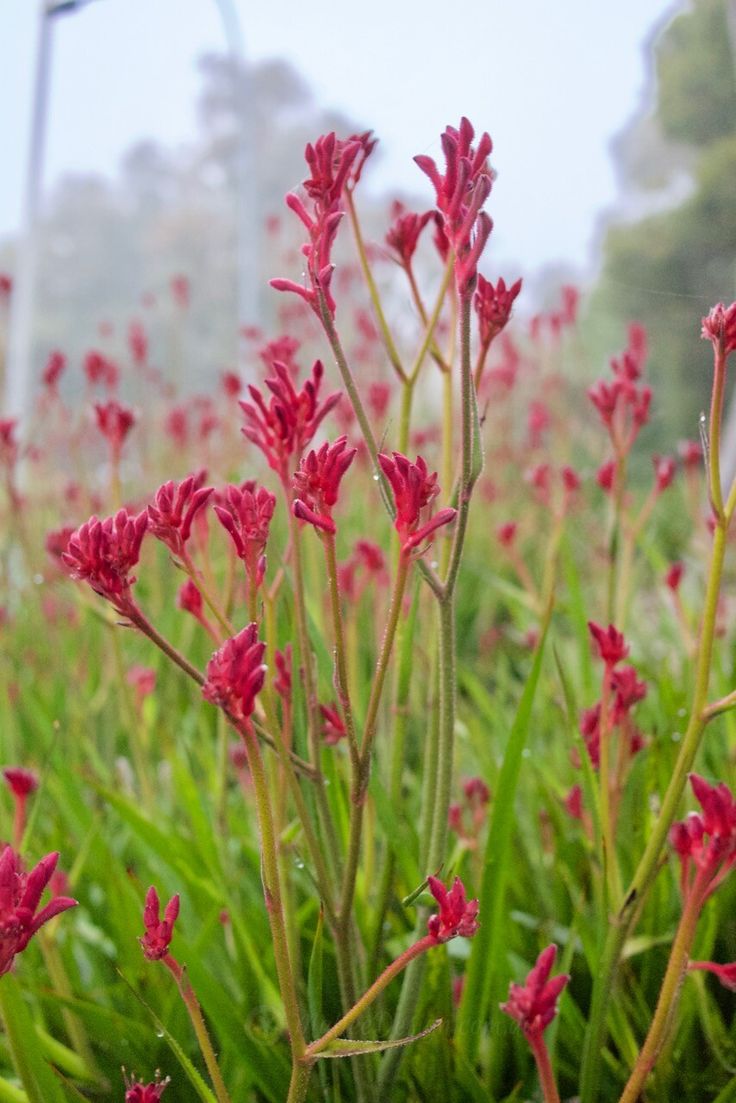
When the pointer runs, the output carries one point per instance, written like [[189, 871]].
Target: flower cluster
[[403, 236], [334, 166], [20, 895], [705, 842], [460, 194], [104, 553], [235, 674], [138, 1092], [493, 306], [245, 513], [720, 328], [534, 1004], [283, 427], [159, 932], [623, 403], [457, 915], [317, 483], [114, 422], [466, 819], [174, 507], [413, 489]]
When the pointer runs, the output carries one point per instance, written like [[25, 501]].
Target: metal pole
[[20, 337], [246, 199]]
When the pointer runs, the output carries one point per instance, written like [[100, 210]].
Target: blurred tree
[[669, 252], [110, 246]]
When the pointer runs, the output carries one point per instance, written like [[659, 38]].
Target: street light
[[20, 335]]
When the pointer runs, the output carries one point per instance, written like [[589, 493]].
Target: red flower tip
[[506, 533], [189, 599], [610, 643], [104, 553], [138, 1092], [574, 803], [403, 237], [605, 475], [20, 895], [99, 369], [282, 681], [174, 507], [457, 916], [534, 1004], [55, 366], [159, 932], [720, 328], [691, 453], [235, 674], [21, 782]]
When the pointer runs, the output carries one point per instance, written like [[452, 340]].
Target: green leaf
[[193, 1075], [35, 1074], [314, 979], [477, 459], [484, 974], [352, 1047]]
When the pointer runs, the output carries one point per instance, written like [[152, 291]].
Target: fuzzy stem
[[200, 1028], [547, 1081], [388, 341]]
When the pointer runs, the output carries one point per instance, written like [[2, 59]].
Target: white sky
[[551, 81]]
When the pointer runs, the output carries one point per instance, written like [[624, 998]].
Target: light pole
[[246, 198], [20, 336]]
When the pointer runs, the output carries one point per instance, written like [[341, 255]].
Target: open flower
[[705, 842], [457, 916], [245, 512], [610, 643], [138, 1092], [20, 895]]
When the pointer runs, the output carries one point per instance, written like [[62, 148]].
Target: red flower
[[104, 553], [20, 782], [610, 643], [235, 674], [317, 483], [246, 515], [706, 840], [174, 507], [138, 1092], [189, 599], [114, 422], [664, 472], [457, 916], [180, 290], [232, 384], [461, 193], [55, 365], [605, 474], [590, 729], [673, 578], [720, 328], [574, 803], [333, 726], [282, 682], [403, 236], [413, 489], [99, 369], [159, 932], [628, 689], [20, 895], [493, 307], [691, 453], [8, 443], [725, 973], [283, 428], [534, 1004], [138, 343]]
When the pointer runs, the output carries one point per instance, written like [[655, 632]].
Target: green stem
[[375, 298], [664, 1015], [194, 1010], [342, 679], [648, 865], [272, 895], [315, 1048]]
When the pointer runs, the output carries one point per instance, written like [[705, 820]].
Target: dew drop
[[676, 737], [526, 753], [159, 1033], [375, 478]]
